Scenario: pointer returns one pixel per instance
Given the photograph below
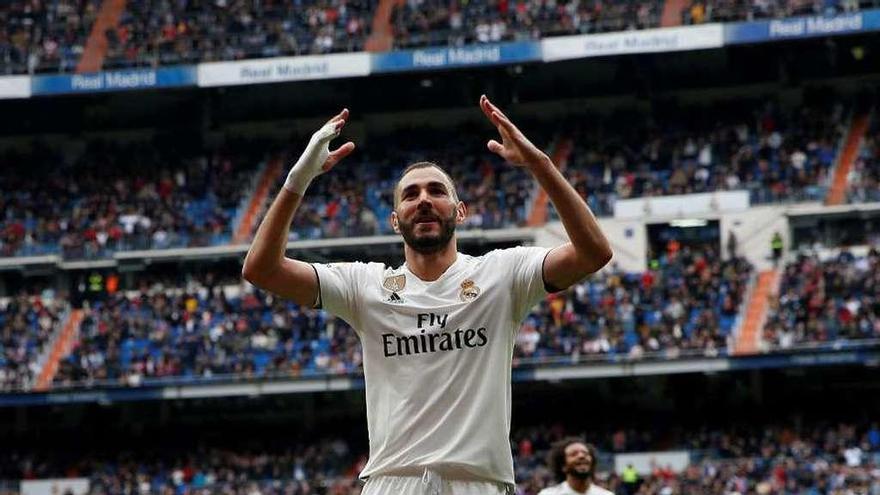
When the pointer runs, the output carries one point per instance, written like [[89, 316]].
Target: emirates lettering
[[425, 342]]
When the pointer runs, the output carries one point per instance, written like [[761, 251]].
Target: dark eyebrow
[[408, 189], [433, 183]]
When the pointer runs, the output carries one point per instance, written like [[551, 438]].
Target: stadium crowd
[[774, 460], [155, 195], [826, 301], [44, 36], [207, 329], [341, 204], [155, 32], [201, 330], [49, 36], [150, 195], [864, 178], [700, 11], [836, 460], [778, 155], [27, 322], [420, 23], [687, 302], [211, 328]]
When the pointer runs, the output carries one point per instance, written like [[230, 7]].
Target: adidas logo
[[395, 299]]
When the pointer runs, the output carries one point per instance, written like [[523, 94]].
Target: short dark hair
[[423, 164], [556, 457]]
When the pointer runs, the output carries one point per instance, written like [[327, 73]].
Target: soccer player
[[573, 461], [437, 332]]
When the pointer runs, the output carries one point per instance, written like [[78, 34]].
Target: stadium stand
[[431, 22], [687, 303], [839, 458], [206, 328], [699, 11], [42, 36], [824, 301], [864, 177], [166, 33], [777, 154], [151, 195], [27, 322], [192, 198], [771, 459], [497, 194], [203, 330], [183, 379]]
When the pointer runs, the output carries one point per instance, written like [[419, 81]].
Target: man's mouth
[[426, 220]]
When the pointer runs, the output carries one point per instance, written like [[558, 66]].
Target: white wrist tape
[[309, 164]]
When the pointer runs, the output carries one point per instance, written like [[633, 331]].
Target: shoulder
[[515, 253], [354, 266], [552, 490], [498, 262], [354, 272], [598, 490]]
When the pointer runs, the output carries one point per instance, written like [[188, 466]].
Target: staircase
[[92, 59], [672, 12], [750, 332], [845, 160], [257, 202], [540, 205], [60, 347], [382, 33]]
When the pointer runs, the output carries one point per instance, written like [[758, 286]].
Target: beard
[[428, 243], [580, 473]]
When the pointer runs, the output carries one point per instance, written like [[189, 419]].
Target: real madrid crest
[[469, 291], [395, 283]]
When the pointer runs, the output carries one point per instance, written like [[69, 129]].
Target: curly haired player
[[573, 461]]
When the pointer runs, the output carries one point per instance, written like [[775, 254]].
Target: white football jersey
[[565, 489], [437, 358]]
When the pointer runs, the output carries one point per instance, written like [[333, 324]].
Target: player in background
[[438, 332], [573, 461]]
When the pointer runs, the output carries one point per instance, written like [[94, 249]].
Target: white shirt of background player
[[578, 468]]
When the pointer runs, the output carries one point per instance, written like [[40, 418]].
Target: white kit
[[437, 358]]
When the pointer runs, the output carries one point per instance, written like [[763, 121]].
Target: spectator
[[776, 248]]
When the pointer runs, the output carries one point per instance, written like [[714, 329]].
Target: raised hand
[[336, 124], [514, 146], [317, 157]]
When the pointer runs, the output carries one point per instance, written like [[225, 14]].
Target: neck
[[429, 267], [577, 484]]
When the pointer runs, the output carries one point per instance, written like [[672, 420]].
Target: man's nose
[[424, 198]]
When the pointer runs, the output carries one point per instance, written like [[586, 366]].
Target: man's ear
[[393, 220], [460, 213]]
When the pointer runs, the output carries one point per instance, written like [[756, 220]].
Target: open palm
[[335, 125], [514, 146]]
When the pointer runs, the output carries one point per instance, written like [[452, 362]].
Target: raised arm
[[587, 250], [265, 264]]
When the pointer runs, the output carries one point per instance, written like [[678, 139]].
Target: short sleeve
[[339, 285], [526, 265]]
